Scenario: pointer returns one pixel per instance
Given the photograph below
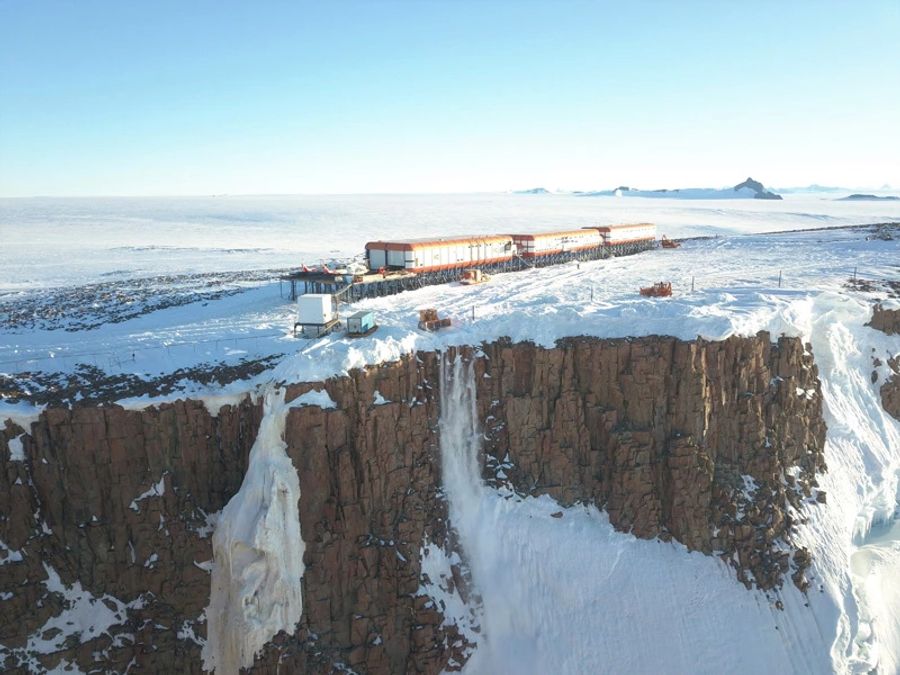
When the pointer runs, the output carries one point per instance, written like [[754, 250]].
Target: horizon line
[[552, 191]]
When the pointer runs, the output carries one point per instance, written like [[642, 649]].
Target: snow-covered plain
[[48, 242], [559, 595], [722, 286], [53, 243]]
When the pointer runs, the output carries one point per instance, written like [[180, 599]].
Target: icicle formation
[[257, 553], [460, 440]]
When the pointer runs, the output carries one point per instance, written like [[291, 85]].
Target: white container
[[315, 308]]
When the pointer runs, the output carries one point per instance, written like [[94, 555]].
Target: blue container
[[361, 322]]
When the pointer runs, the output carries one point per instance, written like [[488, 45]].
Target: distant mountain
[[760, 192], [810, 189], [868, 198], [749, 189], [533, 191]]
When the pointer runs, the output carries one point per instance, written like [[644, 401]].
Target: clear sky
[[193, 97]]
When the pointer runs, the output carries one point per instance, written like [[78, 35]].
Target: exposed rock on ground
[[90, 386], [85, 307], [888, 321], [885, 320]]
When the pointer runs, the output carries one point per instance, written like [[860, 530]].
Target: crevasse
[[257, 552]]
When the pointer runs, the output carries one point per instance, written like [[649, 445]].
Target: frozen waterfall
[[257, 553]]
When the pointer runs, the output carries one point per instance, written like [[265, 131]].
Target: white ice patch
[[749, 486], [214, 403], [257, 553], [209, 524], [206, 566], [186, 632], [84, 616], [314, 397], [16, 449], [805, 393], [8, 555], [438, 584], [156, 490]]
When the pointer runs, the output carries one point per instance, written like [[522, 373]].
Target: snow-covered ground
[[56, 251], [568, 594], [721, 286], [48, 242]]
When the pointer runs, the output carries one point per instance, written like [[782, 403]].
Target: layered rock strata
[[708, 443]]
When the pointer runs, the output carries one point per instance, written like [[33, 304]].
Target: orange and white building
[[627, 234], [443, 253], [549, 243]]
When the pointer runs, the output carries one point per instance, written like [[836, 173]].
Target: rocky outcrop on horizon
[[681, 440], [758, 188], [749, 189], [861, 197]]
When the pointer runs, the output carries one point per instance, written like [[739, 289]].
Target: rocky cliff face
[[704, 442], [370, 497], [888, 321], [890, 390], [107, 512], [113, 504]]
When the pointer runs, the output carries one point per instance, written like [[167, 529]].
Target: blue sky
[[136, 98]]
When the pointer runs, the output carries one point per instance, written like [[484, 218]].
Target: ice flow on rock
[[257, 553]]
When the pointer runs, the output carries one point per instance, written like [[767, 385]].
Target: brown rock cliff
[[659, 432], [885, 320], [690, 440]]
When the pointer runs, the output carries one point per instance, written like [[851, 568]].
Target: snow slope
[[572, 595]]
